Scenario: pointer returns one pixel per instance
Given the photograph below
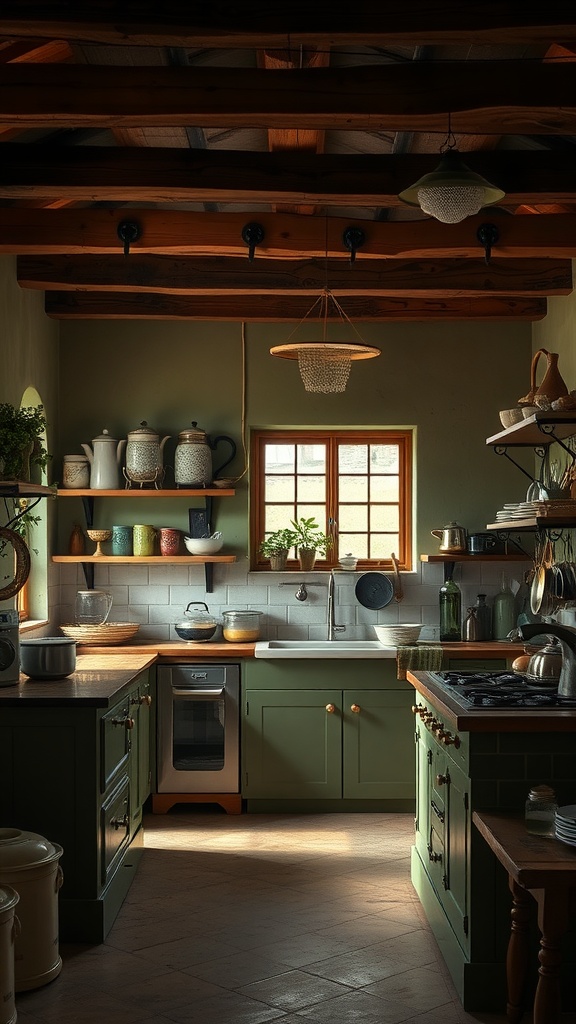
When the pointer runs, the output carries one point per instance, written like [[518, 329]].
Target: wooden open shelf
[[527, 432], [513, 556], [179, 492], [145, 560]]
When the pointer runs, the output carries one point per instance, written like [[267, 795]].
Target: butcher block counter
[[92, 684], [177, 649]]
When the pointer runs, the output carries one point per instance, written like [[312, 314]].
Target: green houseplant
[[21, 441], [310, 541], [276, 547]]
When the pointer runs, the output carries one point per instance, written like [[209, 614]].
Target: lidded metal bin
[[8, 929]]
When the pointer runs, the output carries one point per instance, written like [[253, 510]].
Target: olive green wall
[[557, 333], [447, 380]]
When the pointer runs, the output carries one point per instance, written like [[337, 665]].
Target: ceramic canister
[[169, 541], [143, 540], [122, 540], [75, 471]]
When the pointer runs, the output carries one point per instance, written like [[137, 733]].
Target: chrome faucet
[[567, 637], [332, 627]]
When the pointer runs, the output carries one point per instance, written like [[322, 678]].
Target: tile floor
[[299, 919]]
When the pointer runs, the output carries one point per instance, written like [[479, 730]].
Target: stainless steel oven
[[198, 739]]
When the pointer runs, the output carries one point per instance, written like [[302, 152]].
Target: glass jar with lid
[[241, 626]]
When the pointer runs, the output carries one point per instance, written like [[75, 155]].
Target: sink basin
[[323, 649]]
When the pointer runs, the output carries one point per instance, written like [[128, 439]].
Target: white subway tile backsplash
[[170, 574], [148, 595]]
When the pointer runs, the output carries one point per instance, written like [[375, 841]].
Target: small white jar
[[75, 471]]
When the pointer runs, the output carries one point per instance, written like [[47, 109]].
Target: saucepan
[[48, 657]]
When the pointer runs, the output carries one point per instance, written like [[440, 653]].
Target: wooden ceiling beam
[[236, 276], [253, 25], [182, 233], [500, 97], [155, 175], [146, 306]]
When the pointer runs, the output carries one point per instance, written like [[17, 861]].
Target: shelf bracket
[[448, 570], [209, 576], [88, 569], [501, 450], [548, 429]]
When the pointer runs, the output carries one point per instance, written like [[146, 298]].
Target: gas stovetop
[[493, 690]]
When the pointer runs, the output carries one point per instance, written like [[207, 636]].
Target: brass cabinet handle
[[128, 723], [119, 822], [146, 699], [442, 780], [355, 708], [330, 708]]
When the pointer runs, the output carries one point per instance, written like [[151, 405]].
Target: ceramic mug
[[122, 540], [143, 540], [169, 541]]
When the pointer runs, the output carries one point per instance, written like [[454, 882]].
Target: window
[[356, 484]]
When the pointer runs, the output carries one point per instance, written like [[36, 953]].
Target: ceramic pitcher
[[193, 457], [104, 458], [144, 456]]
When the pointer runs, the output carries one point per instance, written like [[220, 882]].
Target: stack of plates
[[565, 824], [101, 635], [518, 510]]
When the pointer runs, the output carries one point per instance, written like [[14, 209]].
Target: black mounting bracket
[[353, 239], [253, 235], [487, 235], [128, 232]]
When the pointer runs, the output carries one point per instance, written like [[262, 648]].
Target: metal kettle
[[545, 665], [452, 537]]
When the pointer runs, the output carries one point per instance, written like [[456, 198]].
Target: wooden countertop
[[91, 684], [486, 720], [177, 649]]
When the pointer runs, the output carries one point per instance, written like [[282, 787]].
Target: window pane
[[317, 511], [312, 488], [279, 488], [383, 544], [384, 458], [311, 458], [353, 488], [355, 543], [352, 458], [384, 488], [384, 517], [277, 517], [353, 517], [279, 458]]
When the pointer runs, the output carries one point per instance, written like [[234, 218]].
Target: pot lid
[[143, 432], [193, 435], [8, 898], [104, 436], [196, 616], [25, 849]]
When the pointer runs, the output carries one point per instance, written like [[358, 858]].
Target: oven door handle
[[193, 694]]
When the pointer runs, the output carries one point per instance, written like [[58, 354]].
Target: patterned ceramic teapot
[[144, 456], [193, 457]]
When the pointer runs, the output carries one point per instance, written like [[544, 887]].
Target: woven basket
[[102, 635]]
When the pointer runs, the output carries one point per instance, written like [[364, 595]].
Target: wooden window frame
[[333, 438]]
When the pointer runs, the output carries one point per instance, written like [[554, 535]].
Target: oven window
[[198, 738]]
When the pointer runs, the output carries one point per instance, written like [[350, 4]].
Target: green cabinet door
[[378, 744], [292, 744]]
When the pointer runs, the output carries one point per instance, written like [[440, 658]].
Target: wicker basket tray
[[107, 633]]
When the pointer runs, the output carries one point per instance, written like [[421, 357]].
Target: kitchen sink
[[323, 649]]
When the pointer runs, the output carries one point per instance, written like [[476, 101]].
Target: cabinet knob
[[355, 708], [441, 780], [419, 709], [146, 699], [448, 739], [330, 708], [128, 723], [119, 822]]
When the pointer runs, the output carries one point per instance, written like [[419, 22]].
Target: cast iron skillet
[[374, 590]]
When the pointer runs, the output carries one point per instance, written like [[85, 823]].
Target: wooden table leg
[[553, 914], [517, 957]]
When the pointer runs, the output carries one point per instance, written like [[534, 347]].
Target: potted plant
[[276, 547], [310, 541], [21, 441]]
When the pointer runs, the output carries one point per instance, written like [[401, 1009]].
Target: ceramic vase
[[306, 557]]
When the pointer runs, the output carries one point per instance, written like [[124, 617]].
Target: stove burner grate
[[502, 690]]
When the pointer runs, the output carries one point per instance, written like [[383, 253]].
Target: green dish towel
[[418, 659]]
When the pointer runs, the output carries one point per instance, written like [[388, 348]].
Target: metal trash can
[[29, 863], [8, 929]]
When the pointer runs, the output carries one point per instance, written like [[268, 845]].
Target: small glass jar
[[241, 626], [540, 811]]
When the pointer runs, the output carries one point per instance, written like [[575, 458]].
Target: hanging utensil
[[398, 593]]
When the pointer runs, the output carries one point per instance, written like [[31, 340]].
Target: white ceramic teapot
[[144, 456], [104, 458]]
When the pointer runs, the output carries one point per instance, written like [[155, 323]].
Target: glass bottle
[[450, 611], [470, 629], [484, 618], [503, 615], [540, 811]]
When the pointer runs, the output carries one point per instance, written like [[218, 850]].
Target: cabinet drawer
[[114, 827], [115, 730]]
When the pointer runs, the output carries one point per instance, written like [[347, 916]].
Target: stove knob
[[438, 728], [448, 739]]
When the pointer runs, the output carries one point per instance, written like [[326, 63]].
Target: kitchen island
[[467, 760]]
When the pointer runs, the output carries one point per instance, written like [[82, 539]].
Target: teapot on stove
[[452, 538], [193, 457]]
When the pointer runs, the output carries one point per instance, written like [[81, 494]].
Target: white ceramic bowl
[[203, 545], [508, 417], [398, 634]]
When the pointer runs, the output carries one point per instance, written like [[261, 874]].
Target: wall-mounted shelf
[[534, 523], [20, 489], [88, 562], [515, 556], [539, 429]]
